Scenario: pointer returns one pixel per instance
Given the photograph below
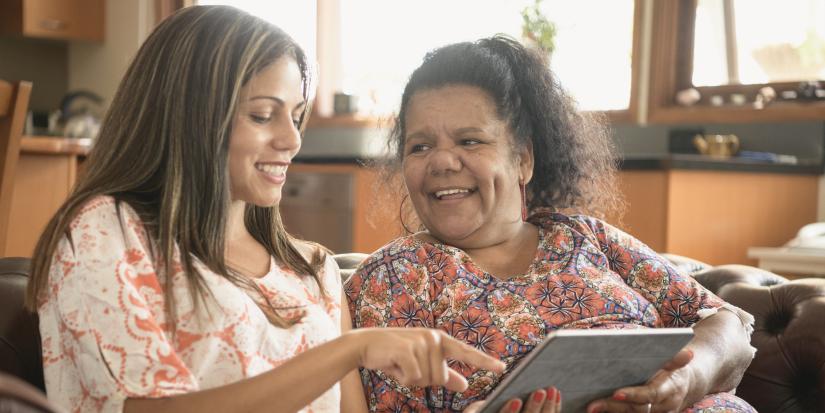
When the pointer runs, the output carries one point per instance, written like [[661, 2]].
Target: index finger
[[457, 350]]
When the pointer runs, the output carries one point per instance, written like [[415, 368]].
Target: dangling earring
[[401, 214], [523, 191]]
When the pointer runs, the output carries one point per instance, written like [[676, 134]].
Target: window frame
[[672, 70]]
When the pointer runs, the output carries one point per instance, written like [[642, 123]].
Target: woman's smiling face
[[460, 166], [265, 135]]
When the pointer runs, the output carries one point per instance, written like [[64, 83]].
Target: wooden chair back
[[14, 103]]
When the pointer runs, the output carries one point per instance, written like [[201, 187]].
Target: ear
[[525, 163]]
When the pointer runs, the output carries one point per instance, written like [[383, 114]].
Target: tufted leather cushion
[[788, 372], [348, 263], [19, 331]]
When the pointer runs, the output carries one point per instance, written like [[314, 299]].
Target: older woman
[[499, 167]]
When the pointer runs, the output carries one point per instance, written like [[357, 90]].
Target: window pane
[[383, 41], [775, 42], [594, 50], [297, 18]]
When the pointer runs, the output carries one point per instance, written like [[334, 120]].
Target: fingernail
[[538, 396], [620, 396], [515, 405], [558, 396], [551, 393]]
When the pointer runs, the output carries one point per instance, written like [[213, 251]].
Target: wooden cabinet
[[46, 172], [712, 216], [54, 19], [715, 216], [374, 219]]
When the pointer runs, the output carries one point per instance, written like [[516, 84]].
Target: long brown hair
[[163, 148]]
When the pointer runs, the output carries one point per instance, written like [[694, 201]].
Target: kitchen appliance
[[80, 114], [336, 144]]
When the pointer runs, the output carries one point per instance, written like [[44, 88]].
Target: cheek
[[413, 176]]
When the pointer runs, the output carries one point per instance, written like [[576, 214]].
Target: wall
[[42, 62], [99, 67]]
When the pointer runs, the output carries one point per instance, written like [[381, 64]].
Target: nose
[[444, 161], [287, 137]]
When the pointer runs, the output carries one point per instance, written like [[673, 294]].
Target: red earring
[[523, 190]]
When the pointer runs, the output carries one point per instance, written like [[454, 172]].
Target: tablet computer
[[586, 365]]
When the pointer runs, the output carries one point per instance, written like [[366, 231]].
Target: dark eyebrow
[[279, 101], [468, 129], [417, 135]]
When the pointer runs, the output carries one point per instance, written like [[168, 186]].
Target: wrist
[[354, 345], [698, 382]]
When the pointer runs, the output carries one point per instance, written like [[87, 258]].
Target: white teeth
[[445, 192], [271, 169]]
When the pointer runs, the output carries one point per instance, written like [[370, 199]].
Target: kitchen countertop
[[55, 145], [703, 162], [662, 162]]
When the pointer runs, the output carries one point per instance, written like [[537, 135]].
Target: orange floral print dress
[[586, 274], [106, 336]]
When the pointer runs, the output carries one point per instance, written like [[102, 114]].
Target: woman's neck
[[242, 252], [512, 255]]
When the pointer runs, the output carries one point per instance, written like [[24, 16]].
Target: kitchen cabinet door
[[54, 19]]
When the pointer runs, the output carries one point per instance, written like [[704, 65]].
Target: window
[[737, 61], [379, 43], [769, 41], [382, 42]]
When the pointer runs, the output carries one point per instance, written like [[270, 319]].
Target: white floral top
[[106, 336]]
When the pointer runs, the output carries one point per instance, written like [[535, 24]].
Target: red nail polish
[[515, 405], [538, 396], [558, 397], [551, 393], [620, 397]]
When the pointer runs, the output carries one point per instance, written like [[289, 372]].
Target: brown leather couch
[[787, 375], [788, 372]]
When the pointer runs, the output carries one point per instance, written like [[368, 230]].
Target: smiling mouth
[[271, 170], [453, 193]]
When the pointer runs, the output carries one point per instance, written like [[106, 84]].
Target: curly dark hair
[[575, 158]]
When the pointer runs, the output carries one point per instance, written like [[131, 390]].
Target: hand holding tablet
[[587, 365]]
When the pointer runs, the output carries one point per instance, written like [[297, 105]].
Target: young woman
[[166, 282]]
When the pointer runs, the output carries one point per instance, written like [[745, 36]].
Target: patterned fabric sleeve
[[678, 298], [103, 316], [386, 291]]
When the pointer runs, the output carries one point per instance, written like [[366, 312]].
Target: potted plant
[[537, 30]]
